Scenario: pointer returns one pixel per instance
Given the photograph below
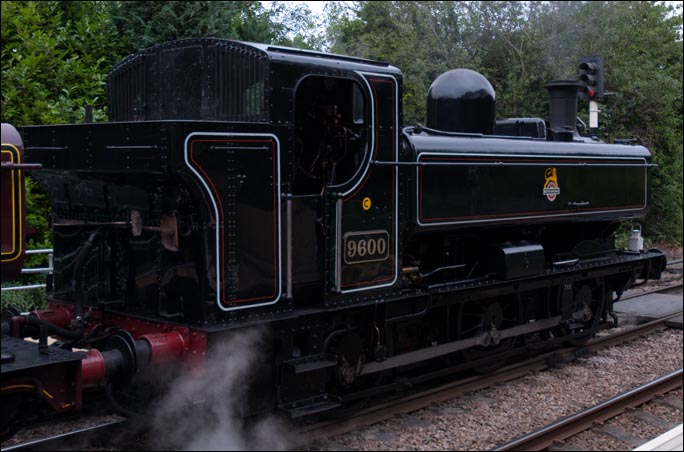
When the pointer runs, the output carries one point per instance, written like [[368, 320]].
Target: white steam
[[203, 412]]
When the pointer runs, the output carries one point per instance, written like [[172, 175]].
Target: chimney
[[563, 109]]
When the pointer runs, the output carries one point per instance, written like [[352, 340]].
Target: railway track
[[387, 410], [670, 288], [68, 434], [423, 399], [572, 425]]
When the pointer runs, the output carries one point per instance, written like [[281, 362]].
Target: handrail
[[32, 271]]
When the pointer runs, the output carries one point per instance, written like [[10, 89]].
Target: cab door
[[363, 211]]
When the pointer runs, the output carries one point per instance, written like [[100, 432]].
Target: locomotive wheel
[[348, 346], [590, 301], [482, 318]]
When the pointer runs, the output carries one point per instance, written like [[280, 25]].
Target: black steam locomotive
[[240, 185]]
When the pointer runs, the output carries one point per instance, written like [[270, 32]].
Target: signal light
[[592, 77]]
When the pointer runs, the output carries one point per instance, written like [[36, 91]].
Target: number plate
[[366, 246]]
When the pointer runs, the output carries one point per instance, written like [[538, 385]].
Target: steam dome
[[461, 100]]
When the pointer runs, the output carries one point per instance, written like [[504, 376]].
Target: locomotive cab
[[258, 175]]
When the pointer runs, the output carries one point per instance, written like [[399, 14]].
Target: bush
[[25, 300]]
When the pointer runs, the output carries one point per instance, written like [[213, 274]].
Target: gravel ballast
[[487, 418]]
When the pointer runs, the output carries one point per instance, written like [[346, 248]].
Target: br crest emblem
[[551, 188]]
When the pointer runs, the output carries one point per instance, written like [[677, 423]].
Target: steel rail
[[583, 420], [73, 437], [656, 290]]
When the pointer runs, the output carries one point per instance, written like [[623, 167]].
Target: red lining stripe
[[221, 238], [513, 159]]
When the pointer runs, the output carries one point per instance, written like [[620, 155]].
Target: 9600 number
[[367, 246]]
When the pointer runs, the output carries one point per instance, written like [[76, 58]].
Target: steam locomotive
[[241, 185]]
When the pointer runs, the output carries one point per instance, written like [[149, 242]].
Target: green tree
[[55, 58], [521, 46], [641, 43], [421, 38], [142, 24], [294, 25]]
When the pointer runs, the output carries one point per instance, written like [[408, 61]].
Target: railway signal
[[591, 74]]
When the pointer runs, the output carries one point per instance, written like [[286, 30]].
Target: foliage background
[[56, 56], [521, 46]]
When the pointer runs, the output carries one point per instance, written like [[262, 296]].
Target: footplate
[[311, 363], [312, 405]]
